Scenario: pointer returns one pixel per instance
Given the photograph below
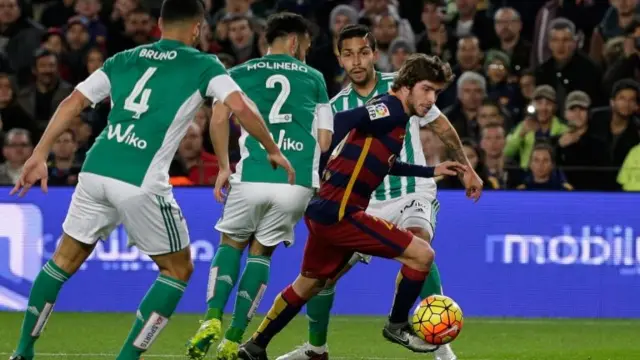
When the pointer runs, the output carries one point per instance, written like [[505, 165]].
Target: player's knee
[[226, 240], [423, 255], [71, 254], [181, 271], [257, 249]]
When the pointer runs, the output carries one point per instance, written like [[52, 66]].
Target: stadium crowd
[[542, 102]]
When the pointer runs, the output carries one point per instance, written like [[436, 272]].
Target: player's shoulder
[[389, 76], [346, 92]]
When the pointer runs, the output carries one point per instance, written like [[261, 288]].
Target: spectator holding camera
[[540, 124], [543, 174], [579, 147]]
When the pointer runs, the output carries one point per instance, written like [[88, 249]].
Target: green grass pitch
[[99, 336]]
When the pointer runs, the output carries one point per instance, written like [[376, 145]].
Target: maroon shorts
[[329, 247]]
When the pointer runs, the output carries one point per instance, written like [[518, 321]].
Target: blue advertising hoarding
[[520, 254]]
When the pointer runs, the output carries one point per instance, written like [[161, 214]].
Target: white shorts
[[265, 210], [413, 210], [154, 223]]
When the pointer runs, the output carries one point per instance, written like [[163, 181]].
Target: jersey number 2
[[275, 117], [142, 106]]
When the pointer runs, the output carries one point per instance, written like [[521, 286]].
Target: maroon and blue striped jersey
[[370, 139]]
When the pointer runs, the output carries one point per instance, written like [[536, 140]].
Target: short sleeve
[[216, 81], [324, 112], [431, 116], [96, 87]]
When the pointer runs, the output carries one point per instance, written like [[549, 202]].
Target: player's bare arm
[[449, 136], [219, 133], [36, 166], [252, 122]]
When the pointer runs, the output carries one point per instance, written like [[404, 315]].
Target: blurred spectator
[[578, 147], [94, 60], [613, 51], [436, 39], [202, 166], [472, 89], [628, 66], [629, 175], [138, 28], [476, 160], [490, 112], [469, 58], [618, 124], [57, 13], [77, 38], [469, 21], [12, 115], [508, 27], [540, 125], [433, 148], [543, 174], [83, 135], [19, 36], [243, 42], [324, 57], [501, 171], [41, 98], [63, 165], [400, 49], [385, 30], [497, 67], [88, 11], [16, 150], [614, 23], [372, 9], [234, 8], [565, 70], [54, 40], [527, 84]]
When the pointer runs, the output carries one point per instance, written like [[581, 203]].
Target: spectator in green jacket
[[540, 125]]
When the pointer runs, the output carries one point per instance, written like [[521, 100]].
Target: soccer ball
[[437, 320]]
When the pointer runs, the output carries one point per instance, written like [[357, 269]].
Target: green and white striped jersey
[[394, 186]]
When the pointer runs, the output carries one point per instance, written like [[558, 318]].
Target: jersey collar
[[373, 92]]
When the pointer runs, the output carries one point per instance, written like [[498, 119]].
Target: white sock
[[318, 349]]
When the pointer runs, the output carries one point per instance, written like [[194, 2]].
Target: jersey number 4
[[139, 91], [275, 117]]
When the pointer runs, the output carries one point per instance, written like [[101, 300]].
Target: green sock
[[222, 278], [433, 285], [152, 316], [41, 300], [318, 313], [253, 284]]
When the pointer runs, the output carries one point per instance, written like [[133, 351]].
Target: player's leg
[[89, 218], [321, 262], [155, 225], [286, 206], [242, 211]]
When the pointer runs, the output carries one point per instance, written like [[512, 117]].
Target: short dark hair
[[420, 67], [625, 84], [356, 31], [490, 102], [180, 10], [286, 23], [42, 53], [544, 146], [491, 125]]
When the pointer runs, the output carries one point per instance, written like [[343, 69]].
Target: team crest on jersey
[[378, 111]]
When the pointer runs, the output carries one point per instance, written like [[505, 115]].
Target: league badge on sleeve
[[378, 111]]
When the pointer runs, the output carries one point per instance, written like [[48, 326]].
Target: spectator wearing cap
[[41, 98], [568, 69], [468, 58], [385, 30], [400, 49], [578, 147], [78, 39], [543, 174], [89, 10], [468, 20], [324, 56], [371, 9], [472, 89], [437, 39], [508, 27], [541, 124], [19, 36], [628, 67], [613, 24], [57, 13], [618, 124], [497, 66]]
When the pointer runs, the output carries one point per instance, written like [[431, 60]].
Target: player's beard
[[368, 77]]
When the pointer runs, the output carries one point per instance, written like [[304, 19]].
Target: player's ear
[[376, 55]]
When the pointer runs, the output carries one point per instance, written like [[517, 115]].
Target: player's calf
[[67, 259], [159, 304]]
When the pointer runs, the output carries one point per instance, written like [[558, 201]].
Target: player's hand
[[34, 169], [278, 159], [222, 183], [473, 184], [449, 168]]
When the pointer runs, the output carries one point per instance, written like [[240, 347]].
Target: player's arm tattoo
[[449, 136]]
